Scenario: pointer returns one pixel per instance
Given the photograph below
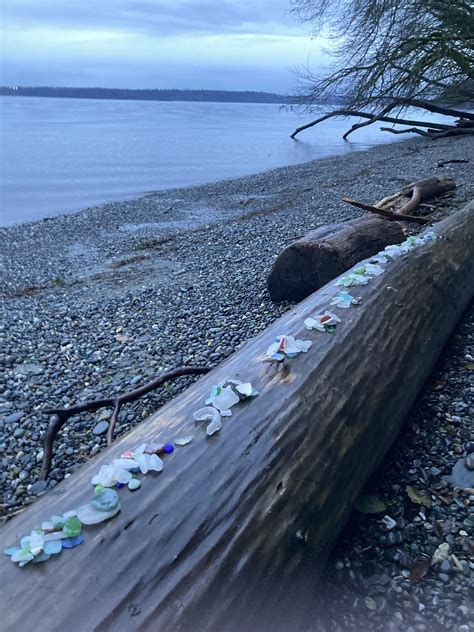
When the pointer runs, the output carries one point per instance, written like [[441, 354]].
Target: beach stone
[[14, 417], [100, 428], [461, 476], [469, 462], [38, 487], [446, 567]]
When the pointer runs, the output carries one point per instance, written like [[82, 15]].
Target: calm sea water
[[60, 155]]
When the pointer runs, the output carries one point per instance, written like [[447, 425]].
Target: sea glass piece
[[70, 543], [168, 448], [314, 323], [88, 515], [41, 557], [105, 477], [180, 441], [373, 269], [134, 484], [58, 521], [104, 501], [225, 399], [245, 389], [22, 555], [155, 464], [54, 547], [124, 464], [122, 476], [352, 279], [73, 526], [214, 427], [36, 542], [342, 300], [205, 414], [11, 550]]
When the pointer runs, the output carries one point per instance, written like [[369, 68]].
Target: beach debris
[[419, 569], [344, 300], [323, 322], [441, 553], [286, 346], [352, 279], [209, 414], [418, 496], [368, 504]]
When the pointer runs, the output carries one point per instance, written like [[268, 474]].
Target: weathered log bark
[[232, 535], [324, 253]]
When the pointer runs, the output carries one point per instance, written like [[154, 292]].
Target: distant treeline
[[226, 96]]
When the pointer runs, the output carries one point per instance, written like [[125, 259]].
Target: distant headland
[[224, 96]]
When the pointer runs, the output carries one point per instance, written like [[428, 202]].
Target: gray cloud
[[158, 17], [228, 44]]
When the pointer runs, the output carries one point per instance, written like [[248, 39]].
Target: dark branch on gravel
[[61, 415]]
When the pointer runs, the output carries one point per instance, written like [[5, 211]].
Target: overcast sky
[[215, 44]]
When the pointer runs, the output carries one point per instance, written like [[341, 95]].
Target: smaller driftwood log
[[321, 255]]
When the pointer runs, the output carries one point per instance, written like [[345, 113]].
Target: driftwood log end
[[325, 253]]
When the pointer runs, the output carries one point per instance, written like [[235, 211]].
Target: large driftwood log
[[232, 535], [322, 254]]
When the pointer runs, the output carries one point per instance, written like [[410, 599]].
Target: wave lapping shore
[[100, 301]]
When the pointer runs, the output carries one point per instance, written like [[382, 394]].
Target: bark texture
[[232, 535], [324, 253]]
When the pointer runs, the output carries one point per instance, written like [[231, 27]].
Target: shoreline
[[104, 299], [82, 239]]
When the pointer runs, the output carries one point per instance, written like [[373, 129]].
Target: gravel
[[101, 301]]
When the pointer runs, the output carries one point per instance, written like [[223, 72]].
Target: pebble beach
[[101, 301]]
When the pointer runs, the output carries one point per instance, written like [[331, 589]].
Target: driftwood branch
[[399, 206], [436, 130], [372, 118], [61, 415], [390, 215], [431, 133], [448, 162], [409, 130]]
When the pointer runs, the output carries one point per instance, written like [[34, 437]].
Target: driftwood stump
[[231, 536]]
